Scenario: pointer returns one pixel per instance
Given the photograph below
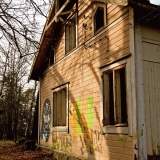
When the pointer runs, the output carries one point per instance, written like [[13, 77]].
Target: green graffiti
[[141, 132], [122, 139], [79, 127], [79, 102], [90, 114]]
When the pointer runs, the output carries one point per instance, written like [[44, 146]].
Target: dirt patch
[[11, 151]]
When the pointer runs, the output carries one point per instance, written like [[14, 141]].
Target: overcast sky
[[155, 1]]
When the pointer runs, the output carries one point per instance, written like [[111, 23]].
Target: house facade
[[98, 66]]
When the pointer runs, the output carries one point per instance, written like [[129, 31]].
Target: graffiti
[[94, 145], [46, 120], [122, 139], [62, 141], [84, 121]]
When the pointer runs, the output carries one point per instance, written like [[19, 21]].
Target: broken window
[[60, 105], [70, 35], [114, 97], [99, 17]]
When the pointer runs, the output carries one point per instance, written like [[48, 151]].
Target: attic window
[[99, 18]]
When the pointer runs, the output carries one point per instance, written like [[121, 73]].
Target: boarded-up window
[[114, 97], [70, 35], [60, 107]]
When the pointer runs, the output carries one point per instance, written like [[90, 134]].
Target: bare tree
[[20, 30], [20, 23]]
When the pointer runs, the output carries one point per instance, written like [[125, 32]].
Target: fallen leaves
[[11, 151]]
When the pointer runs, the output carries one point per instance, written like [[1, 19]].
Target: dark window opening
[[114, 97], [99, 18], [52, 57]]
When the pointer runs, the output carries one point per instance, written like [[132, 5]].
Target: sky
[[155, 2]]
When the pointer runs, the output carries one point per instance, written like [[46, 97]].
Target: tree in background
[[20, 30]]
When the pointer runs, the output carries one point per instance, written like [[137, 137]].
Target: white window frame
[[93, 20], [76, 33], [120, 129], [61, 128]]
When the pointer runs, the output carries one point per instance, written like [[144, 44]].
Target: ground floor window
[[60, 108], [114, 97]]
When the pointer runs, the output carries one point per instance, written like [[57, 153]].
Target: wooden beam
[[61, 19], [117, 2], [66, 12], [57, 14]]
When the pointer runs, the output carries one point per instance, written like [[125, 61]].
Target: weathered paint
[[46, 121], [151, 62]]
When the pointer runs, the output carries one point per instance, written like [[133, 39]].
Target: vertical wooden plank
[[118, 96], [147, 103], [152, 107], [106, 108], [114, 97], [140, 102], [154, 110], [59, 110], [54, 108], [67, 38], [158, 103], [63, 107], [132, 101]]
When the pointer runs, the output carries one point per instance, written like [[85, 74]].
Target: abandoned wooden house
[[98, 66]]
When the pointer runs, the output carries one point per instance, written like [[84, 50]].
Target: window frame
[[75, 33], [61, 128], [93, 17], [117, 128], [52, 51]]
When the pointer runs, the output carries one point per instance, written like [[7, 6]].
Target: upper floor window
[[70, 34], [99, 17], [52, 57]]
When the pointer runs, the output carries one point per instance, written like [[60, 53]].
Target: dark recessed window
[[114, 97], [99, 18], [52, 57]]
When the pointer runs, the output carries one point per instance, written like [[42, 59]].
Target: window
[[99, 17], [60, 108], [70, 35], [114, 99], [51, 56]]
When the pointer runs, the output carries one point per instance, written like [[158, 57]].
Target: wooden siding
[[151, 57], [81, 69], [152, 99]]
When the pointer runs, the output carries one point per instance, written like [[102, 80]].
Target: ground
[[11, 151]]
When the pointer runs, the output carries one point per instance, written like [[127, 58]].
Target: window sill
[[60, 129], [114, 129]]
